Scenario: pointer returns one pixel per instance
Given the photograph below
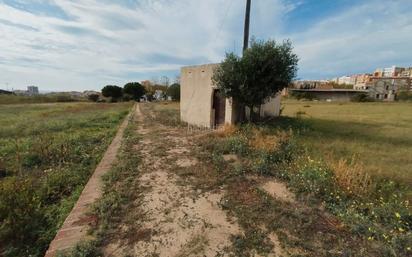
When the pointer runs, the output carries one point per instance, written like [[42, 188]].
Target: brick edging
[[77, 223]]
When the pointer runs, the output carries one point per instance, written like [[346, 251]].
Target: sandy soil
[[179, 220]]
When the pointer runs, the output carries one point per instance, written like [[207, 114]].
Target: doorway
[[219, 107]]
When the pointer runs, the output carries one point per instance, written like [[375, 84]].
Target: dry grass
[[268, 142], [227, 130], [351, 177]]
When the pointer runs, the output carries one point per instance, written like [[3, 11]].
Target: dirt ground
[[176, 218]]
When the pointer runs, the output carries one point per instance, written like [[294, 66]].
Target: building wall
[[272, 107], [196, 92], [196, 98]]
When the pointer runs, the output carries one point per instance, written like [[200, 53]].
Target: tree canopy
[[264, 70], [174, 92], [112, 91], [135, 90]]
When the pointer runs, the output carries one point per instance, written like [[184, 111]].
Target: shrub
[[404, 96], [64, 99], [352, 178], [93, 97], [174, 92], [361, 98]]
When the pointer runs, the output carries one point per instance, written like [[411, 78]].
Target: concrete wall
[[196, 93], [196, 98], [271, 108]]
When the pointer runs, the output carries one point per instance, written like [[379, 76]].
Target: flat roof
[[335, 90]]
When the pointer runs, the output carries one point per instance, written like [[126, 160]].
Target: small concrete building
[[202, 105]]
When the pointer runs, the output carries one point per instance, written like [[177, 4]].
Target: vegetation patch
[[342, 203], [47, 153]]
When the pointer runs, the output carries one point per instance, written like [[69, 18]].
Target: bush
[[64, 99], [174, 92], [376, 211], [404, 96], [93, 97], [361, 98]]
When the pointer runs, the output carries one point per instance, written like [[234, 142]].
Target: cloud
[[359, 39], [85, 44]]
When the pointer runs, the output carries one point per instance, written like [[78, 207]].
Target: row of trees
[[136, 91]]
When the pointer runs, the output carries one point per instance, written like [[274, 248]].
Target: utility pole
[[247, 23]]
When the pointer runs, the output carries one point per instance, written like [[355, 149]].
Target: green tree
[[174, 92], [112, 91], [264, 70], [135, 90]]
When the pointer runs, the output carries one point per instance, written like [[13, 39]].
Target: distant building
[[390, 72], [346, 80], [385, 88], [308, 84], [32, 90], [159, 95]]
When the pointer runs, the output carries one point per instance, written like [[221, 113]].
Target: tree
[[264, 70], [135, 90], [164, 81], [112, 91], [174, 92], [93, 97]]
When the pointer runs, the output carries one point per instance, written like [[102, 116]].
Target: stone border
[[77, 223]]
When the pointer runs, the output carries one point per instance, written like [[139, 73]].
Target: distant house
[[201, 103], [32, 90], [385, 88]]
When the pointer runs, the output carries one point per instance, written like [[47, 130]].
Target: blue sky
[[85, 44]]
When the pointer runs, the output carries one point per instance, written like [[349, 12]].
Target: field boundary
[[77, 223]]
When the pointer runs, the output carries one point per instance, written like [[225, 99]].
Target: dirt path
[[76, 225], [179, 220]]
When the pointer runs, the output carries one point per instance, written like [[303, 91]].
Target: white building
[[32, 90]]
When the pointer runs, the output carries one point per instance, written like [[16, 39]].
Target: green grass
[[21, 99], [377, 134], [47, 153]]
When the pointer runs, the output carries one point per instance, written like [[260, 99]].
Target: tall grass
[[378, 134], [47, 153], [20, 99]]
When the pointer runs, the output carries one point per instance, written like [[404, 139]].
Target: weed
[[48, 153]]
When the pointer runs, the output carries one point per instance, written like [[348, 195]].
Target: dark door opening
[[219, 106]]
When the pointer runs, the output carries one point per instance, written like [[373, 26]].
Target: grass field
[[21, 99], [377, 134], [47, 153]]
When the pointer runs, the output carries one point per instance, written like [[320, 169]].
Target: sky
[[65, 45]]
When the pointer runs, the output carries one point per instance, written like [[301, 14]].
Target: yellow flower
[[397, 215]]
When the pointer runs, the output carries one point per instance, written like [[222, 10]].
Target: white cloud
[[93, 43], [365, 37]]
